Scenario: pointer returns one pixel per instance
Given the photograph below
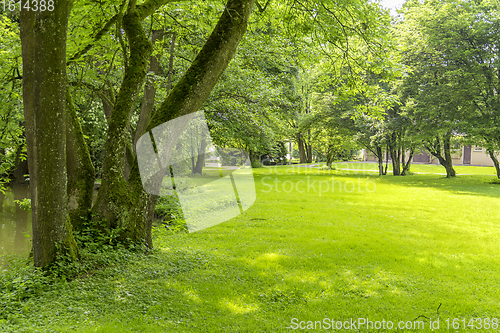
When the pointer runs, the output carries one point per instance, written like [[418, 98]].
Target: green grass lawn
[[314, 245]]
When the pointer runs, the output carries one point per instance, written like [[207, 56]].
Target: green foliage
[[21, 282], [453, 67], [24, 204], [168, 208], [18, 283], [96, 237], [11, 114]]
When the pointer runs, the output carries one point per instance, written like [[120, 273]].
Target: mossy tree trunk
[[148, 101], [43, 39], [114, 200], [123, 203]]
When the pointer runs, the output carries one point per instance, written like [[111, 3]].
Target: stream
[[15, 223]]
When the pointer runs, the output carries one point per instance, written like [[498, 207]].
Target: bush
[[168, 208]]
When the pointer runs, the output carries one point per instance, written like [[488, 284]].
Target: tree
[[433, 103], [43, 36], [124, 204], [12, 139], [117, 76]]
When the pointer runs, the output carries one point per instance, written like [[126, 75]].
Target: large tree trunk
[[195, 86], [305, 149], [43, 40], [125, 205], [386, 158], [309, 148], [450, 172], [309, 156], [330, 154]]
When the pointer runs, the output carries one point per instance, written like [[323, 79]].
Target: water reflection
[[15, 223]]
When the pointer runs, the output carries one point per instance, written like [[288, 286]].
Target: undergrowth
[[20, 280]]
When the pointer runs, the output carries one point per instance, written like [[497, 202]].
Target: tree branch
[[96, 38], [195, 86]]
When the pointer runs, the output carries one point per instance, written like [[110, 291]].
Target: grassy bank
[[314, 245]]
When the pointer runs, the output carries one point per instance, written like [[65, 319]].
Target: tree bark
[[125, 205], [254, 159], [195, 86], [108, 102], [380, 157], [309, 156], [80, 169], [395, 154], [43, 40], [200, 161], [302, 149], [309, 148], [330, 154], [407, 164], [445, 160], [386, 158], [495, 162], [113, 200], [148, 101]]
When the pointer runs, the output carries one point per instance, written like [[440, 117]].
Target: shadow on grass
[[462, 185], [481, 185]]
